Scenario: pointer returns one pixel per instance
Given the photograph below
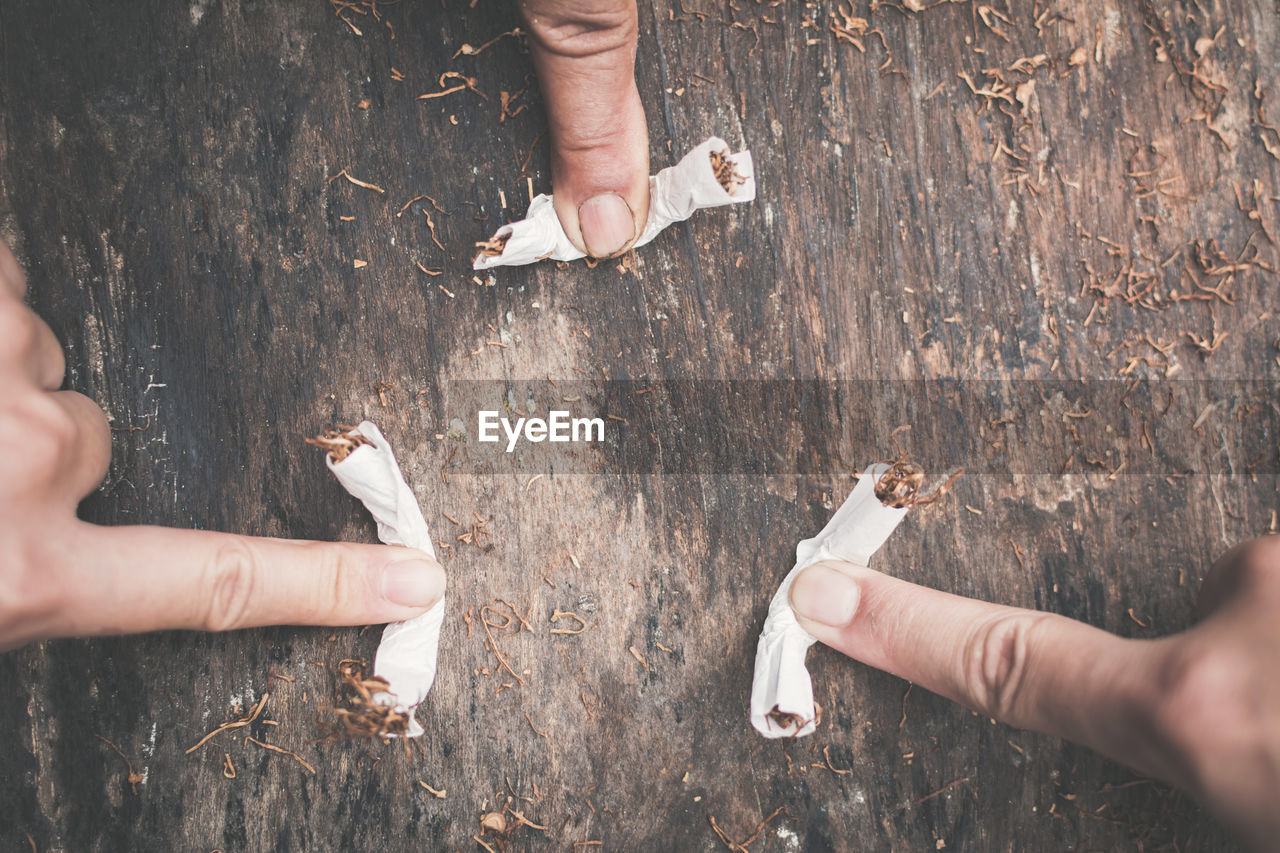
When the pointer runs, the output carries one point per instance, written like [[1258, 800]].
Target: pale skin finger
[[12, 279], [85, 464], [1029, 669], [60, 576], [28, 349], [127, 579], [584, 53]]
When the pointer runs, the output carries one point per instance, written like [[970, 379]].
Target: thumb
[[1028, 669], [127, 579], [584, 52]]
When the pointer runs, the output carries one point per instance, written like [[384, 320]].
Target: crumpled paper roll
[[674, 194], [406, 657], [782, 691]]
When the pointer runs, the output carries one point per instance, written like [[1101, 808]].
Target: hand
[[60, 576], [1200, 709], [584, 52]]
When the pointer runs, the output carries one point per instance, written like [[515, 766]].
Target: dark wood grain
[[165, 179]]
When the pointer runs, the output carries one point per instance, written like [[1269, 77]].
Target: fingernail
[[607, 224], [412, 583], [825, 595]]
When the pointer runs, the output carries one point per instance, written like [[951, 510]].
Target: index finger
[[129, 579], [1029, 669], [12, 279]]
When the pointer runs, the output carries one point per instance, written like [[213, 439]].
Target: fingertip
[[607, 223], [413, 580], [825, 595], [11, 277]]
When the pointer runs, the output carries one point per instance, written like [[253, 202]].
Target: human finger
[[12, 281], [127, 579], [1029, 669], [28, 348], [584, 53]]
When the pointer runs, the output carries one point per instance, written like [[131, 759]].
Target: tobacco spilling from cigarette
[[339, 440], [727, 174], [359, 714], [493, 247]]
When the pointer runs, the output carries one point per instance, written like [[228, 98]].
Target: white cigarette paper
[[782, 691], [406, 657], [674, 194]]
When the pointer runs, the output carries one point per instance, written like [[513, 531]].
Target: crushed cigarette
[[708, 176], [405, 665], [782, 692]]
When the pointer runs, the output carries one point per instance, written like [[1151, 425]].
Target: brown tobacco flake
[[493, 645], [273, 748], [358, 714], [240, 722], [849, 28], [145, 426], [989, 16], [228, 769], [134, 777], [639, 657], [501, 824], [784, 719], [743, 845], [492, 248], [532, 726], [368, 186], [468, 50], [941, 791], [340, 440], [426, 198], [477, 534], [524, 620], [826, 754], [560, 614], [899, 487], [439, 794], [460, 82], [725, 171], [508, 99]]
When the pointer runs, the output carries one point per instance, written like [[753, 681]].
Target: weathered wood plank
[[165, 180]]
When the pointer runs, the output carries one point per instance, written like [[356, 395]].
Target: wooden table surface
[[1069, 290]]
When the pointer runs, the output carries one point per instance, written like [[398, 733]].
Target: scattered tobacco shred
[[743, 846], [358, 714], [134, 776], [899, 487], [501, 824], [492, 248], [359, 183], [783, 719], [725, 171], [339, 440], [240, 722]]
